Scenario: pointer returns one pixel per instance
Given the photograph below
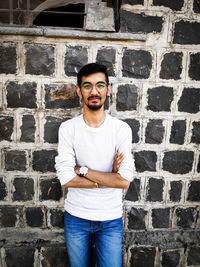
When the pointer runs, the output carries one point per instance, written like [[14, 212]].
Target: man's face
[[94, 90]]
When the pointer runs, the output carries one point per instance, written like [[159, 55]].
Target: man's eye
[[100, 85], [87, 86]]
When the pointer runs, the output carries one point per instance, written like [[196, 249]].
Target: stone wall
[[155, 89]]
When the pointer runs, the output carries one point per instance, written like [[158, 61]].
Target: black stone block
[[145, 161], [193, 258], [6, 128], [171, 66], [75, 58], [57, 218], [21, 95], [3, 189], [196, 132], [8, 216], [136, 219], [160, 218], [54, 257], [8, 59], [127, 97], [34, 216], [106, 57], [194, 68], [186, 32], [160, 98], [135, 23], [194, 191], [28, 129], [133, 192], [175, 190], [133, 2], [15, 160], [190, 100], [154, 132], [178, 162], [174, 5], [196, 6], [170, 259], [50, 189], [135, 127], [61, 96], [24, 189], [40, 60], [186, 218], [178, 131], [136, 64], [51, 129], [44, 160], [20, 256], [155, 190], [142, 256]]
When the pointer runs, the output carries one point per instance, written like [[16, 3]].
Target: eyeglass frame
[[106, 85]]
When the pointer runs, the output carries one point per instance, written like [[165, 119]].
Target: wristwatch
[[83, 171]]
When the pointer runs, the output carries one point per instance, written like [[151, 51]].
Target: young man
[[95, 163]]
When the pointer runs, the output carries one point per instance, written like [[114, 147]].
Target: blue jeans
[[107, 236]]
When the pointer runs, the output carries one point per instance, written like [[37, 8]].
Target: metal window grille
[[12, 13]]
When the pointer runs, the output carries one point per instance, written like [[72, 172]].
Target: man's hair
[[90, 69]]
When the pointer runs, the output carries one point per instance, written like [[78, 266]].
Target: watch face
[[83, 170]]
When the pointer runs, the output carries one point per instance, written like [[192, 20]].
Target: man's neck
[[94, 118]]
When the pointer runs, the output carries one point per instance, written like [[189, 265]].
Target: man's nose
[[94, 90]]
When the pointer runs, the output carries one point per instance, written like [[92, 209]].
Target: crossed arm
[[107, 179]]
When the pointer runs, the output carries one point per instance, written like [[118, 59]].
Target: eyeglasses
[[100, 86]]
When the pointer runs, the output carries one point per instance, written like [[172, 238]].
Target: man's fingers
[[117, 161], [120, 162], [118, 166], [116, 156], [120, 157]]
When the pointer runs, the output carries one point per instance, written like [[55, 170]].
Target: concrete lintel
[[10, 237], [21, 30], [55, 32]]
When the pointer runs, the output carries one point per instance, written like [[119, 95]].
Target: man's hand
[[76, 169], [117, 162], [105, 179]]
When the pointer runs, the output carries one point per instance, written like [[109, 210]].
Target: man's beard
[[94, 107]]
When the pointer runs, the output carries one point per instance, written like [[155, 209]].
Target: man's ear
[[109, 90], [78, 90]]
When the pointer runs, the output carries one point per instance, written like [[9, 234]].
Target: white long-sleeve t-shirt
[[95, 148]]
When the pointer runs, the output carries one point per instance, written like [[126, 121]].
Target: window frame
[[32, 14]]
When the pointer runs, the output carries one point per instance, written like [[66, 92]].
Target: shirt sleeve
[[125, 146], [65, 161]]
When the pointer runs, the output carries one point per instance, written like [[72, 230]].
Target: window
[[99, 15], [71, 15], [25, 12]]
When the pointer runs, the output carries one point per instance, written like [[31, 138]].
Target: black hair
[[90, 69]]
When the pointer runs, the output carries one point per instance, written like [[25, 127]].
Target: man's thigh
[[108, 243], [78, 241]]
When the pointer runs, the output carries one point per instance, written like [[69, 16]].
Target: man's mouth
[[94, 98]]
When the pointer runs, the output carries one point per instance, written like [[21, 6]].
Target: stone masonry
[[155, 89]]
